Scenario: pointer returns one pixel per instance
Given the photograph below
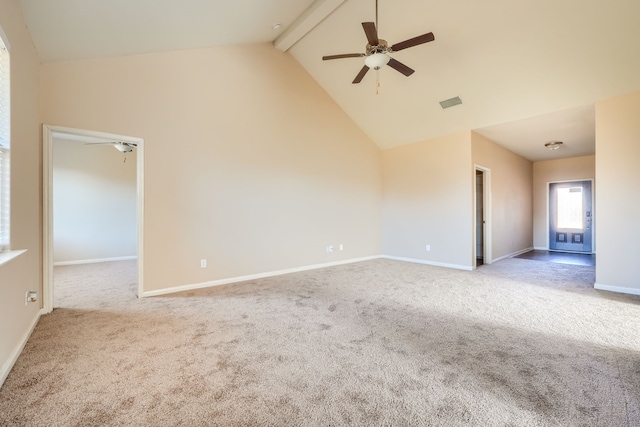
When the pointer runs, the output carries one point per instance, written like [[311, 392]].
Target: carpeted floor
[[377, 343]]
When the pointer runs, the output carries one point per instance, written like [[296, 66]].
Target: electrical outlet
[[341, 247], [428, 248], [203, 263], [30, 296], [329, 249]]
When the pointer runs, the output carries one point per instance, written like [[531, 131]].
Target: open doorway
[[93, 201], [479, 218], [482, 216]]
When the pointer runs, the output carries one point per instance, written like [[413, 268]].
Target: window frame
[[5, 203]]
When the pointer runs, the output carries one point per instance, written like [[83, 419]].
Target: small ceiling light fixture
[[276, 26], [376, 61], [554, 145], [123, 147]]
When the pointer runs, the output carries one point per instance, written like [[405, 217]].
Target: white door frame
[[486, 206], [47, 203]]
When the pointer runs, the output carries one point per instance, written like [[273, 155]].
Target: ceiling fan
[[377, 51], [122, 146]]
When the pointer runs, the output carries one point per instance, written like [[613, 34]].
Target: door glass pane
[[570, 207]]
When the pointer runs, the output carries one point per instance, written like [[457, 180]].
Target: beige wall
[[427, 200], [571, 169], [511, 193], [248, 162], [25, 272], [618, 201], [94, 203]]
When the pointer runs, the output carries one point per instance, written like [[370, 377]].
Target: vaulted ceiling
[[527, 71]]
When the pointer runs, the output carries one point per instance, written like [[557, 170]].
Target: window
[[570, 207], [4, 146]]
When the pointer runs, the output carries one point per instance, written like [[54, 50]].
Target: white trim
[[94, 261], [618, 289], [8, 365], [7, 256], [311, 17], [434, 263], [47, 219], [140, 214], [47, 203], [514, 254], [252, 277]]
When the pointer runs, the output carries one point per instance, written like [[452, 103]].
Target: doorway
[[570, 216], [49, 134], [482, 216], [479, 218]]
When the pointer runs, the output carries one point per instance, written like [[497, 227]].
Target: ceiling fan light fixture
[[377, 61], [554, 145], [124, 148]]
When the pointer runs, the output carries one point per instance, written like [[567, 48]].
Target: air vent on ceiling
[[452, 102]]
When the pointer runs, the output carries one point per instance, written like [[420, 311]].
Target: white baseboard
[[93, 261], [512, 254], [8, 365], [250, 277], [619, 289], [434, 263]]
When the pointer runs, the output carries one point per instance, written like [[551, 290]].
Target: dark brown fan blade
[[399, 66], [425, 38], [345, 55], [360, 75], [371, 32]]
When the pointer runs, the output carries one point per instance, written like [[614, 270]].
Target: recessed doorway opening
[[482, 217], [51, 134]]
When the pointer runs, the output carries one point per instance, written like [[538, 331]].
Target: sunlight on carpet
[[515, 343]]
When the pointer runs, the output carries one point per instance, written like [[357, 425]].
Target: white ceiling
[[64, 30], [527, 71]]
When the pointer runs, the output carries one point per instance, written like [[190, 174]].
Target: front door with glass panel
[[570, 216]]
